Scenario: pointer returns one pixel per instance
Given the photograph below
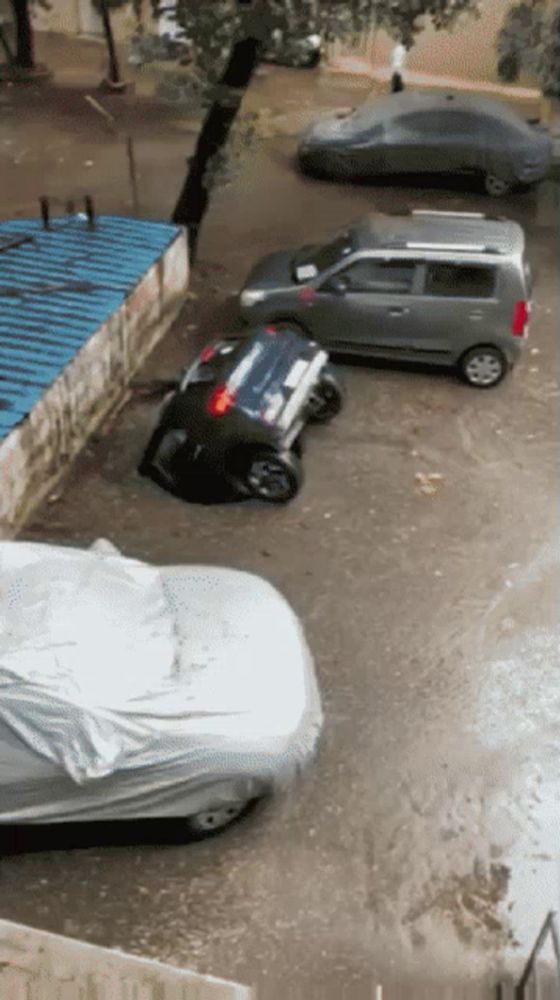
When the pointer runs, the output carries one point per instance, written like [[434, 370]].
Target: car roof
[[428, 229], [408, 101]]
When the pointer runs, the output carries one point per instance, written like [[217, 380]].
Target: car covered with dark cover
[[233, 426], [420, 132]]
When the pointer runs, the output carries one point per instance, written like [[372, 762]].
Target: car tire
[[313, 60], [326, 400], [209, 822], [496, 186], [483, 367], [273, 476], [287, 324]]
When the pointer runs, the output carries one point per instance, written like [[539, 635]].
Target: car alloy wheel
[[211, 820], [326, 399], [496, 186], [483, 367], [274, 477]]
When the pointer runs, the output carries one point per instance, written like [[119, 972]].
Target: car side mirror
[[338, 286]]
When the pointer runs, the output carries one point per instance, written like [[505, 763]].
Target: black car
[[421, 132], [236, 418], [299, 52]]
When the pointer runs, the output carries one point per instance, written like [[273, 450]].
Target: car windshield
[[311, 261]]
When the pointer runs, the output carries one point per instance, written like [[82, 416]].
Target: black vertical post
[[90, 212], [45, 212], [24, 58], [114, 73]]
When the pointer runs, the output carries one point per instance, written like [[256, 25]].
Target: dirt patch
[[471, 902]]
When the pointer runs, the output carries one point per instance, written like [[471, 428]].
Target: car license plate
[[295, 374]]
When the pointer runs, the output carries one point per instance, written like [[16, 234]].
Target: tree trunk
[[193, 200], [24, 58]]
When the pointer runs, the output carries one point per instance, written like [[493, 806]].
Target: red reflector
[[270, 329], [520, 319], [307, 295], [221, 401], [207, 354]]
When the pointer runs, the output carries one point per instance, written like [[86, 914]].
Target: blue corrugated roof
[[57, 286]]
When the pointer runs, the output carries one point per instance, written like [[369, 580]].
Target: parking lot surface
[[421, 555]]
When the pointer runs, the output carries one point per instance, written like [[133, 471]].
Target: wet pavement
[[426, 836]]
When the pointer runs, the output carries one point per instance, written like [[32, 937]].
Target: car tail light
[[520, 318], [207, 354], [307, 295], [270, 329], [221, 401]]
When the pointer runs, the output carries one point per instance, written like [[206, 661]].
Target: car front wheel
[[326, 399], [483, 367], [211, 821], [275, 477], [496, 186]]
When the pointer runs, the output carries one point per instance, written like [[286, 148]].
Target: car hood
[[272, 271], [333, 128], [239, 698]]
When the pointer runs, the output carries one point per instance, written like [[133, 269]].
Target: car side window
[[415, 121], [460, 281], [379, 276], [444, 122]]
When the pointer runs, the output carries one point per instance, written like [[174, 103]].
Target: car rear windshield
[[460, 281], [316, 260]]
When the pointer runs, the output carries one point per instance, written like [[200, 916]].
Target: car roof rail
[[458, 215], [446, 212], [459, 247]]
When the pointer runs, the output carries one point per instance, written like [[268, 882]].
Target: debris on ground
[[428, 483]]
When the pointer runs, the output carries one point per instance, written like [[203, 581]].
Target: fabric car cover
[[83, 635]]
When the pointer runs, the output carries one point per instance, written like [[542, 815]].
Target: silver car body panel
[[411, 326]]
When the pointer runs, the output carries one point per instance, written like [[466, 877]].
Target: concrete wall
[[35, 965], [37, 452], [467, 51]]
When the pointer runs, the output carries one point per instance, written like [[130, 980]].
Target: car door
[[411, 143], [433, 141], [459, 308], [368, 306], [365, 151], [461, 140]]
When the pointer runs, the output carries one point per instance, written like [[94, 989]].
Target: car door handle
[[476, 315], [398, 311]]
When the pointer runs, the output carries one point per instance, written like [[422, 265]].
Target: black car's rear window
[[460, 281]]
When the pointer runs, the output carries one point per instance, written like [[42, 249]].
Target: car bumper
[[533, 174]]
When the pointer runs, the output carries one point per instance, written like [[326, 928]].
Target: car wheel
[[287, 324], [275, 477], [326, 399], [496, 186], [313, 60], [211, 821], [483, 367]]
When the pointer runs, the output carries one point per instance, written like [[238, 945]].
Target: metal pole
[[132, 172], [548, 927], [114, 77]]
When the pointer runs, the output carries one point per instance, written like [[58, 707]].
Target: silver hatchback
[[446, 288]]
